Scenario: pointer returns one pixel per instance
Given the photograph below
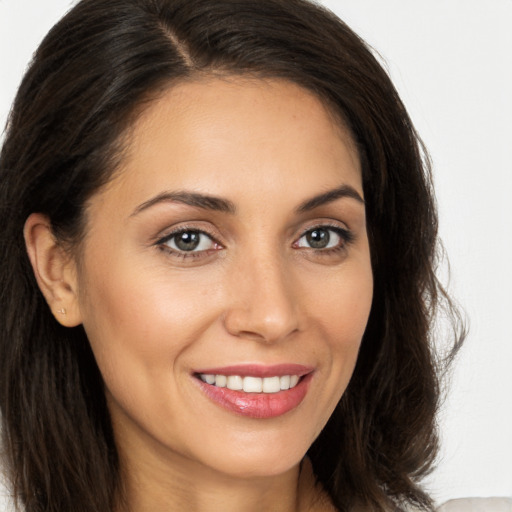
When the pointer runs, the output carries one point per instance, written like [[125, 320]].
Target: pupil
[[188, 240], [318, 238]]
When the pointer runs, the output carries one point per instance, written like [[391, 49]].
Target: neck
[[152, 487]]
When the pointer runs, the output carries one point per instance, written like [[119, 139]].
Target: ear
[[54, 269]]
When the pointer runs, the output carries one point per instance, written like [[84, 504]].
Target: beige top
[[315, 497], [478, 505]]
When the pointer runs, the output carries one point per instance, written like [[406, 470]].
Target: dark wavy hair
[[90, 78]]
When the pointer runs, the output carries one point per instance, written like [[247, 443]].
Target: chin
[[257, 457]]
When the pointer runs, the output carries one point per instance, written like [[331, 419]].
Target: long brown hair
[[90, 77]]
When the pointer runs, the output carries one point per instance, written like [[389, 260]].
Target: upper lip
[[258, 370]]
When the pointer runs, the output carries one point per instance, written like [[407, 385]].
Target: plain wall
[[451, 61]]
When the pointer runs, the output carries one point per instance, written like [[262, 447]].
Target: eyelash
[[345, 235], [161, 243]]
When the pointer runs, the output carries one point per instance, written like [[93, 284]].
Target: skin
[[258, 294]]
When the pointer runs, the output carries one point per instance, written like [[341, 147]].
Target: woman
[[218, 281]]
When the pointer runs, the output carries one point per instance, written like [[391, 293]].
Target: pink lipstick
[[256, 391]]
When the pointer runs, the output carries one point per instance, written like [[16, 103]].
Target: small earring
[[62, 311]]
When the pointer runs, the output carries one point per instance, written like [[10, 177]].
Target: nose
[[262, 303]]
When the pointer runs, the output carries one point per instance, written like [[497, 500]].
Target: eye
[[188, 241], [324, 237]]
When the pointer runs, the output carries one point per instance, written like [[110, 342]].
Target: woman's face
[[230, 248]]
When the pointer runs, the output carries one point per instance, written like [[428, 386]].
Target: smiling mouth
[[256, 391], [251, 384]]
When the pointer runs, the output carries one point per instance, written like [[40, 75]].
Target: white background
[[452, 63]]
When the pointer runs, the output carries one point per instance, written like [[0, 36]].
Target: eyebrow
[[329, 197], [204, 201], [208, 202]]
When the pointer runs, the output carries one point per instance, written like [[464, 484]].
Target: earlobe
[[54, 269]]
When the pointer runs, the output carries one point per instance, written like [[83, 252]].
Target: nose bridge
[[262, 302]]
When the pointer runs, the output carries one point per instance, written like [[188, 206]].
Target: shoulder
[[478, 505]]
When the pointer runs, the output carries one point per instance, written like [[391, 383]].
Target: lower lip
[[258, 405]]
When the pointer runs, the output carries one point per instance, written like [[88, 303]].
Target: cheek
[[134, 290], [342, 305], [139, 322], [340, 313]]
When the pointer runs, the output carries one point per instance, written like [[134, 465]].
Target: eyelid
[[344, 233], [162, 241]]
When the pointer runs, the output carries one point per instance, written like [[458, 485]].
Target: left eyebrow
[[329, 197]]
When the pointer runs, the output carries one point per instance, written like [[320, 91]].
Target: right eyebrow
[[196, 199]]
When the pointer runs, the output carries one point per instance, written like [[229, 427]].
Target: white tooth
[[220, 381], [293, 380], [284, 382], [208, 378], [235, 383], [271, 385], [253, 385]]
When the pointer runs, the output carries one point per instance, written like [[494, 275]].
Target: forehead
[[234, 134]]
